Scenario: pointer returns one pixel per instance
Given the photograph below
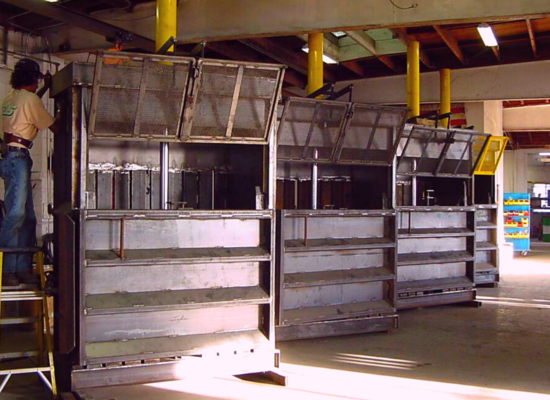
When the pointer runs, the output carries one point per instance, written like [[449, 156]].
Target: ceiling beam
[[369, 44], [497, 53], [354, 67], [295, 60], [240, 52], [364, 40], [531, 37], [451, 41], [236, 19], [83, 21], [389, 63], [402, 34]]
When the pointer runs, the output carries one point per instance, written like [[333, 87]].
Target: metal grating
[[137, 96], [430, 151], [307, 125], [234, 102], [371, 135]]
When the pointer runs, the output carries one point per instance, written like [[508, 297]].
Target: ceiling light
[[487, 34], [339, 34], [326, 59], [544, 154], [52, 1]]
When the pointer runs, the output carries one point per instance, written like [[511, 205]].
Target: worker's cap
[[28, 65]]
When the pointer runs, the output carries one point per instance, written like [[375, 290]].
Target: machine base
[[337, 328], [175, 368], [437, 299]]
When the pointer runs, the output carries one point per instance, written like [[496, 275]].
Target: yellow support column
[[315, 62], [413, 78], [166, 25], [444, 94]]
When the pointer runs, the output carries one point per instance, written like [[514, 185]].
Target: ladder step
[[26, 370], [26, 295], [18, 354], [18, 321]]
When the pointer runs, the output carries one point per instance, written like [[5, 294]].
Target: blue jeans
[[19, 223]]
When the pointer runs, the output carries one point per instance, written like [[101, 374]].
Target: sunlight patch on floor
[[307, 383]]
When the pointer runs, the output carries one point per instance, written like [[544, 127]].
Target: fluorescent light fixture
[[487, 35], [52, 1], [339, 34], [544, 154], [326, 59]]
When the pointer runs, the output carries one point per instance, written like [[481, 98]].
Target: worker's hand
[[47, 79]]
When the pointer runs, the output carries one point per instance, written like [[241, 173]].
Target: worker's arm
[[46, 86], [56, 126]]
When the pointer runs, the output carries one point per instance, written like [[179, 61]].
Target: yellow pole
[[444, 94], [166, 24], [413, 78], [315, 62]]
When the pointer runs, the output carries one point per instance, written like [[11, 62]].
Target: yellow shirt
[[24, 114]]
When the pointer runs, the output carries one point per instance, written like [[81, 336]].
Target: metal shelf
[[435, 284], [305, 279], [486, 225], [117, 303], [486, 246], [298, 245], [434, 233], [97, 258], [138, 349], [485, 268], [337, 311], [434, 258]]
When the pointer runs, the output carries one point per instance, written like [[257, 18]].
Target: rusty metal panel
[[138, 96], [233, 102], [105, 328], [151, 278]]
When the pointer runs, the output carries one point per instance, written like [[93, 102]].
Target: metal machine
[[336, 227], [436, 216], [164, 219]]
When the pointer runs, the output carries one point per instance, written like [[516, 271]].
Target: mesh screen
[[119, 108], [371, 135], [258, 90], [117, 101], [319, 120], [256, 97], [463, 153], [214, 98], [164, 97], [423, 150]]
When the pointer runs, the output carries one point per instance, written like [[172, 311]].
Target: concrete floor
[[498, 351]]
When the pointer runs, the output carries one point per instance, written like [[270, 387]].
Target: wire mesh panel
[[439, 152], [371, 135], [233, 102], [138, 96], [308, 125]]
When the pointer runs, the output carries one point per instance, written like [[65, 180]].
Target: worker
[[23, 115]]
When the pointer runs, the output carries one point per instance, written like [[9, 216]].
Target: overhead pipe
[[444, 94], [413, 78]]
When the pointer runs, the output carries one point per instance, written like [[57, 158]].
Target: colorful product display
[[517, 220]]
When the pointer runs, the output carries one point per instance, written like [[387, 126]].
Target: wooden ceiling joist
[[532, 37], [401, 34], [451, 41]]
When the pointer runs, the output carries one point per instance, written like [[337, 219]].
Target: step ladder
[[25, 293]]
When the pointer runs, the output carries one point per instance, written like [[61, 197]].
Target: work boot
[[9, 279], [27, 277]]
